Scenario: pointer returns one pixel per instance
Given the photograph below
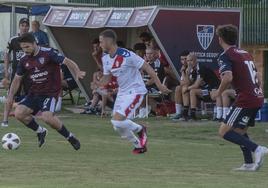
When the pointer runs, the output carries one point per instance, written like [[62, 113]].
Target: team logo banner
[[205, 34]]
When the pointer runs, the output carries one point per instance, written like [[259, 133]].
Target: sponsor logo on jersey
[[240, 51], [258, 91], [41, 60], [38, 75], [205, 34]]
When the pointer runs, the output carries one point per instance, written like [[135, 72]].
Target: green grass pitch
[[180, 155]]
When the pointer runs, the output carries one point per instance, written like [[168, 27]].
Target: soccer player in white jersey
[[125, 66]]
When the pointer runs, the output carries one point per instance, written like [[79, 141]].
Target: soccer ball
[[10, 141]]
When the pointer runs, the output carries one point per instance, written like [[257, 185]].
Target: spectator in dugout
[[101, 96], [67, 83], [95, 87], [39, 35], [178, 89], [97, 52], [13, 55], [171, 79], [140, 49], [146, 38], [206, 83], [152, 58]]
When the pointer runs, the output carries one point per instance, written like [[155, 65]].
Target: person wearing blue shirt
[[39, 35]]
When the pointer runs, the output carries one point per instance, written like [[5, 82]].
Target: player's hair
[[139, 46], [147, 36], [26, 37], [184, 53], [228, 33], [109, 33]]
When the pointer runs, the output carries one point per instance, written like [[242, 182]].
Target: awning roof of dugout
[[99, 17]]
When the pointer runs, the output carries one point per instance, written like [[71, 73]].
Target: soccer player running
[[125, 66], [41, 66], [237, 68]]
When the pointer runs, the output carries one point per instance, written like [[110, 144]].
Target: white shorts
[[126, 105]]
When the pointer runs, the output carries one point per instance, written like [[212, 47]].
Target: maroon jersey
[[245, 82], [43, 71]]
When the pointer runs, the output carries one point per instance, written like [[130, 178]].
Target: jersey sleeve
[[56, 57], [20, 69], [225, 64], [135, 61]]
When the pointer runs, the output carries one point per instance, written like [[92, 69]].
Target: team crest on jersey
[[41, 60], [205, 34]]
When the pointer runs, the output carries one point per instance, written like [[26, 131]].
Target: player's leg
[[47, 107], [178, 102], [124, 107], [194, 95], [227, 95], [23, 113], [186, 102], [233, 129], [247, 154], [218, 106]]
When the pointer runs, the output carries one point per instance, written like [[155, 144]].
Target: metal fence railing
[[255, 13]]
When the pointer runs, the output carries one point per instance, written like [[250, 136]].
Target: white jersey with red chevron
[[125, 66]]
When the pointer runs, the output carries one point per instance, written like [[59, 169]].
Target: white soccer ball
[[10, 141]]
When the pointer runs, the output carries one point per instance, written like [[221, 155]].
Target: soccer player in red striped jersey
[[237, 68]]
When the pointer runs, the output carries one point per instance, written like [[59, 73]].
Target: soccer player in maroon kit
[[41, 67], [237, 68]]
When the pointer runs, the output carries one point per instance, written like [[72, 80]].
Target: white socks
[[219, 112], [133, 126], [58, 105], [126, 130], [225, 112], [40, 129], [178, 108]]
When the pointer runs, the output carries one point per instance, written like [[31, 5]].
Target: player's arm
[[226, 76], [12, 91], [185, 78], [150, 71], [72, 66], [6, 63], [196, 84], [226, 79]]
